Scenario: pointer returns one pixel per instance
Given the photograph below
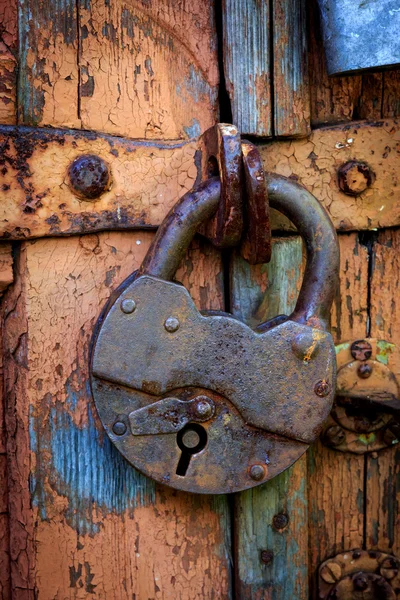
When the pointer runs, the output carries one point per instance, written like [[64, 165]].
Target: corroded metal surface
[[154, 352], [355, 574], [222, 155], [256, 245], [367, 405], [359, 35]]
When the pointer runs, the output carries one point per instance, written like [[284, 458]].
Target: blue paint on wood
[[80, 463]]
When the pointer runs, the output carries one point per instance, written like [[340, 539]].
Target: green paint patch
[[367, 438], [340, 347], [384, 349]]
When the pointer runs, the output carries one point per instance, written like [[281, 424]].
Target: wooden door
[[76, 520]]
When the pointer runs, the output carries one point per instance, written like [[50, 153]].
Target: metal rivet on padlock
[[213, 406]]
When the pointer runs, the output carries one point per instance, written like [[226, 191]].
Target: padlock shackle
[[288, 197], [178, 229], [322, 248]]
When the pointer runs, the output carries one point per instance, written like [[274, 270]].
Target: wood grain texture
[[5, 587], [371, 97], [333, 100], [48, 66], [82, 520], [383, 483], [246, 47], [314, 162], [148, 69], [8, 61], [291, 81], [260, 292], [336, 480], [391, 93]]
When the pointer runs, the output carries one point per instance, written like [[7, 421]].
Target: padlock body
[[271, 390]]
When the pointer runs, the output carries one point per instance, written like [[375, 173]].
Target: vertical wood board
[[246, 48], [258, 293], [336, 480], [290, 69]]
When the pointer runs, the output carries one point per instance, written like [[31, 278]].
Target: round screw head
[[305, 346], [128, 306], [389, 569], [354, 177], [267, 556], [280, 521], [334, 436], [360, 582], [322, 388], [89, 176], [119, 428], [171, 324], [190, 438], [203, 409], [364, 371], [331, 572], [361, 350], [257, 472]]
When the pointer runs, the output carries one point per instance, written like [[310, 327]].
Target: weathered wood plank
[[391, 93], [260, 292], [333, 100], [314, 162], [48, 63], [8, 62], [371, 98], [291, 82], [383, 482], [246, 47], [5, 588], [148, 69], [336, 480], [82, 520]]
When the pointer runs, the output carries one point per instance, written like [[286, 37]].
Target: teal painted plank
[[260, 292], [246, 45]]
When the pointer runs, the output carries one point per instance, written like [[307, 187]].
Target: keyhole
[[192, 439]]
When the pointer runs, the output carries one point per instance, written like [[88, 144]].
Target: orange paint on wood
[[148, 70], [88, 521], [335, 479], [8, 62], [383, 482]]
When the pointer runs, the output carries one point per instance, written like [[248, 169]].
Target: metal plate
[[266, 386]]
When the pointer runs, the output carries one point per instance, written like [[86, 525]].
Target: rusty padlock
[[200, 401]]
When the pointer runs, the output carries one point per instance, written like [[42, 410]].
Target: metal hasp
[[200, 401], [366, 413], [360, 35], [359, 574]]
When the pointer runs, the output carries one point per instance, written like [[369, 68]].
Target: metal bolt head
[[322, 388], [305, 346], [267, 556], [361, 350], [128, 305], [334, 436], [171, 324], [354, 177], [119, 428], [280, 521], [364, 371], [203, 408], [389, 569], [257, 472], [190, 438], [360, 582], [331, 572], [89, 176]]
